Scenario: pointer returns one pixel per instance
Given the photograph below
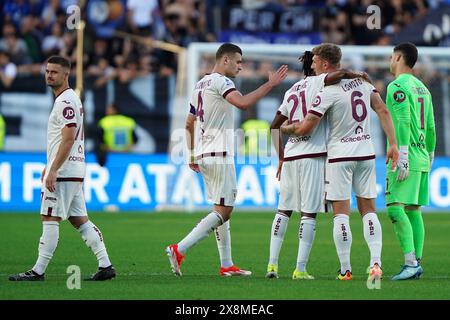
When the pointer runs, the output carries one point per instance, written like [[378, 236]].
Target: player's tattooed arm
[[336, 76], [306, 126]]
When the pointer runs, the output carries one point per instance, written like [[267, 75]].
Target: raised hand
[[277, 77]]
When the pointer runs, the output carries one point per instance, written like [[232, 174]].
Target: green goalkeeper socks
[[402, 228], [415, 218]]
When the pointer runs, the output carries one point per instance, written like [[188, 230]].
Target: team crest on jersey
[[317, 101], [399, 96], [421, 137], [68, 113], [359, 130]]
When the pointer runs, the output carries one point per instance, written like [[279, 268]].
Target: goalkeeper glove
[[403, 164], [431, 155]]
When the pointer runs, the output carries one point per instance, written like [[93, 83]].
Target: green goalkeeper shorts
[[412, 191]]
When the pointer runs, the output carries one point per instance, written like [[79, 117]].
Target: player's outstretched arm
[[380, 108], [246, 101], [190, 137], [302, 128], [336, 76]]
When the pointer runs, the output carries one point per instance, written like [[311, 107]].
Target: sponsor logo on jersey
[[421, 137], [74, 158], [317, 101], [356, 139], [419, 145], [66, 102], [50, 198], [80, 149], [208, 138], [68, 113], [299, 139], [359, 130], [399, 96]]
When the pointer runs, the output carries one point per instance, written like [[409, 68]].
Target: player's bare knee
[[77, 222], [341, 207], [224, 211], [412, 208], [365, 205]]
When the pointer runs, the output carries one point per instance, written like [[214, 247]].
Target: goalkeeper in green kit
[[409, 103]]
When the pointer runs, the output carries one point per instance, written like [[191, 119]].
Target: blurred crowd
[[33, 30]]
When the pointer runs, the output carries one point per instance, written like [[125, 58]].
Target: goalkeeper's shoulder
[[395, 85]]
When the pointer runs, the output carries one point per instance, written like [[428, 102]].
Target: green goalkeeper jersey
[[409, 103]]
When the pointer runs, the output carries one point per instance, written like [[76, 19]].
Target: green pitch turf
[[136, 242]]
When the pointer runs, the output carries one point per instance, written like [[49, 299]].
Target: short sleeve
[[193, 103], [65, 111], [225, 86], [371, 87], [283, 109], [322, 102]]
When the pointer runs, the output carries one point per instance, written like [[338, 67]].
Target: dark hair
[[63, 62], [328, 52], [409, 53], [227, 48], [307, 60]]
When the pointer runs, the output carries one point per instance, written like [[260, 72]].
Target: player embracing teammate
[[301, 166], [350, 161]]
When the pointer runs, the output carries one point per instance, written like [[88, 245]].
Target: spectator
[[49, 14], [335, 23], [103, 71], [15, 10], [16, 47], [141, 16], [68, 50], [8, 70], [32, 37], [54, 42]]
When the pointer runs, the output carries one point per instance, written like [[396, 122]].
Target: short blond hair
[[328, 52]]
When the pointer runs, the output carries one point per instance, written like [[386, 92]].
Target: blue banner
[[269, 37], [153, 182]]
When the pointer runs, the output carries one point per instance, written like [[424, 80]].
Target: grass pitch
[[136, 242]]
